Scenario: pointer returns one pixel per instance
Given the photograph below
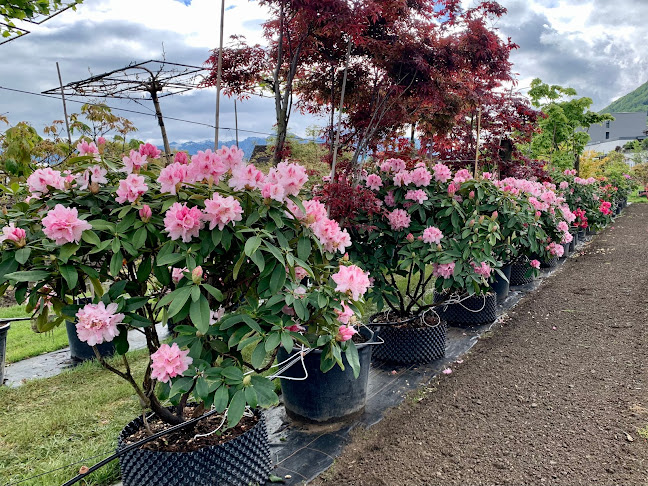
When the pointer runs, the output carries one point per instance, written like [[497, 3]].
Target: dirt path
[[548, 399]]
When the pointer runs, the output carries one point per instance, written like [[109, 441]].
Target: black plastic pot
[[618, 208], [241, 461], [518, 272], [591, 231], [326, 397], [581, 234], [566, 248], [4, 329], [473, 311], [500, 284], [407, 345], [80, 351], [574, 242], [549, 263]]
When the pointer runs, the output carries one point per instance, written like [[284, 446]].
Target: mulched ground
[[555, 396]]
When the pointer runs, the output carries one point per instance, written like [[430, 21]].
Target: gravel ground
[[555, 395]]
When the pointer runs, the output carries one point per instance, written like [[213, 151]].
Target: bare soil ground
[[555, 395]]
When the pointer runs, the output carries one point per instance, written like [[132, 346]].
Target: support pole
[[67, 123], [219, 73], [477, 143], [236, 122], [158, 113], [339, 123]]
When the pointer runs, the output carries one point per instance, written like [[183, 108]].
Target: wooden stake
[[219, 74], [236, 122], [339, 124], [477, 142]]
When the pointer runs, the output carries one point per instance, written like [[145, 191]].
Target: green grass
[[50, 423], [23, 343], [634, 198]]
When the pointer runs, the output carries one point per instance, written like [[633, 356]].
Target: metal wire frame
[[36, 20]]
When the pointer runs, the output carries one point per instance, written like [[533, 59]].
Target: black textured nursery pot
[[574, 242], [471, 311], [566, 248], [548, 262], [581, 234], [4, 329], [518, 272], [241, 461], [326, 397], [413, 341], [500, 285]]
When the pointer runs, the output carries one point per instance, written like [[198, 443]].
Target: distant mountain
[[636, 100], [246, 145]]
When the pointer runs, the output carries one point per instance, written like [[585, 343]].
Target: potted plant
[[215, 247], [389, 211]]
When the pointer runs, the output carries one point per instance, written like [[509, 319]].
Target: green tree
[[25, 10], [563, 132]]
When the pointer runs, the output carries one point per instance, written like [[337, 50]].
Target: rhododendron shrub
[[585, 197], [232, 257]]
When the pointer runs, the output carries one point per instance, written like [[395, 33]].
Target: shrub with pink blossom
[[199, 244]]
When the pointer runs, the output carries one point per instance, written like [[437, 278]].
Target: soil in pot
[[4, 329], [471, 311], [412, 340], [500, 285], [238, 457], [326, 397]]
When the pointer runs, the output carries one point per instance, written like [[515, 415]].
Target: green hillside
[[637, 100]]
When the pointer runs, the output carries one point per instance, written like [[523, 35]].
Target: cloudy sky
[[594, 46]]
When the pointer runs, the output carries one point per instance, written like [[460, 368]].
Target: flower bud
[[247, 379], [94, 187], [471, 195], [197, 274], [494, 215], [410, 237], [145, 213], [4, 210], [471, 223], [481, 219], [345, 258]]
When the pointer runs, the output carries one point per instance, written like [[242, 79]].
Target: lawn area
[[50, 423], [635, 198], [23, 343]]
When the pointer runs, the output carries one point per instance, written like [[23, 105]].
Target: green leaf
[[70, 275], [67, 251], [287, 342], [252, 245], [90, 237], [116, 263], [237, 267], [199, 313], [202, 388], [277, 279], [303, 248], [96, 284], [101, 225], [139, 238], [22, 255], [221, 398], [236, 408], [272, 341], [217, 294], [28, 276], [264, 388], [251, 396], [127, 223], [352, 358], [179, 300], [258, 355], [144, 269], [234, 319], [259, 261], [233, 375], [169, 259], [275, 252]]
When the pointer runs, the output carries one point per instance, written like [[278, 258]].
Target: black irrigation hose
[[136, 445]]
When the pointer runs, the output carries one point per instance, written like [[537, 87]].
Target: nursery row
[[253, 276]]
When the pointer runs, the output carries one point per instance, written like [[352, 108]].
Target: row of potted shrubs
[[257, 279]]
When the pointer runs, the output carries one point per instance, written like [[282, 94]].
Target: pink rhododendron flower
[[246, 177], [345, 333], [567, 237], [98, 174], [206, 166], [420, 177], [86, 148], [462, 175], [231, 156], [178, 274], [149, 150], [183, 222], [442, 173], [535, 263], [555, 249], [389, 199], [168, 362], [443, 270], [374, 182], [41, 180], [482, 269], [62, 225], [145, 213], [495, 215], [452, 188], [396, 165], [134, 162], [290, 177], [331, 236], [432, 235], [295, 328], [549, 197], [351, 280], [273, 191], [220, 211], [300, 273], [197, 275], [172, 177], [418, 195], [131, 188], [399, 219], [385, 166], [410, 237], [97, 323], [181, 158], [487, 175], [563, 185], [101, 141], [15, 235], [563, 226], [402, 178], [605, 207]]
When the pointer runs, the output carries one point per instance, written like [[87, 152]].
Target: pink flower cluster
[[172, 177], [535, 264], [432, 235], [555, 249], [570, 172], [134, 162], [393, 165], [97, 323], [345, 333], [442, 173], [13, 234], [420, 176], [585, 182], [63, 225], [605, 207], [246, 177], [483, 269], [220, 211], [168, 362], [351, 280], [131, 189], [399, 219], [149, 150], [86, 148], [183, 222], [41, 180], [462, 175], [285, 180], [418, 196], [443, 270], [344, 315], [374, 182], [231, 156], [327, 231]]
